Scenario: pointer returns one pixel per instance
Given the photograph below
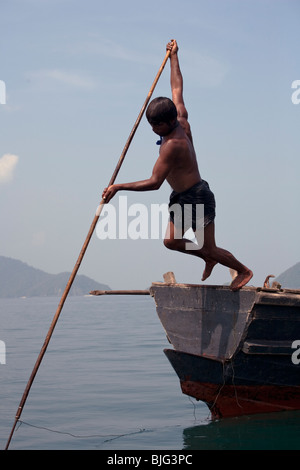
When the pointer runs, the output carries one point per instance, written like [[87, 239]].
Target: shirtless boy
[[177, 164]]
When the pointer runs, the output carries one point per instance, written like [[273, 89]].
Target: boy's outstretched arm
[[177, 87]]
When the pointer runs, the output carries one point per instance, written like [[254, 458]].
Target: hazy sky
[[77, 74]]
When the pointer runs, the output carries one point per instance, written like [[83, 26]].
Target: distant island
[[290, 279], [18, 279]]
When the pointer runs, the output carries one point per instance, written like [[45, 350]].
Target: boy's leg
[[215, 255], [210, 253], [174, 241]]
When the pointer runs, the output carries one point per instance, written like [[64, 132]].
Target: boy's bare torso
[[184, 172]]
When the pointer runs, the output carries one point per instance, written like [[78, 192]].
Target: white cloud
[[201, 66], [102, 46], [7, 167], [114, 50], [73, 79]]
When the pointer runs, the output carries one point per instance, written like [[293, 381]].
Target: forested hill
[[18, 279]]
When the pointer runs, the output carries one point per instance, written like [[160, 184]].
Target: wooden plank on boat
[[267, 347], [273, 312], [120, 292], [282, 298]]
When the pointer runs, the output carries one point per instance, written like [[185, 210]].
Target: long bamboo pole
[[82, 253]]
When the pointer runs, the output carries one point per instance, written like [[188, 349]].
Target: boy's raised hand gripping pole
[[82, 252]]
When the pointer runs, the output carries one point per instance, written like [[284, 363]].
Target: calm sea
[[105, 383]]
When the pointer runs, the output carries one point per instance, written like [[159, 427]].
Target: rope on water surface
[[87, 436]]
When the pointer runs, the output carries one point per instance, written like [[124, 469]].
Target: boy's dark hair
[[161, 110]]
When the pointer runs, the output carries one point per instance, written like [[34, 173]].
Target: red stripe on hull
[[236, 400]]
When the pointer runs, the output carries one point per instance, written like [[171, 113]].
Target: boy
[[177, 164]]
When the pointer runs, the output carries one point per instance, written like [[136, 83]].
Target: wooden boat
[[235, 351]]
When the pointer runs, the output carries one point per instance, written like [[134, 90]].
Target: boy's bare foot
[[241, 280], [209, 266]]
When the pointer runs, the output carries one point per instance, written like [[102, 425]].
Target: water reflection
[[274, 431]]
